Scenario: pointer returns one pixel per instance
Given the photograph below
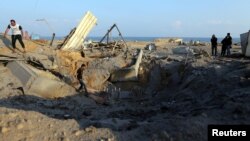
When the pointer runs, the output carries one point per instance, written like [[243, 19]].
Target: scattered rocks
[[4, 130], [95, 78], [90, 129], [77, 133], [183, 50], [20, 126], [175, 58]]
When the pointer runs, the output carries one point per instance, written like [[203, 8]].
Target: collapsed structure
[[60, 72], [95, 69], [38, 82]]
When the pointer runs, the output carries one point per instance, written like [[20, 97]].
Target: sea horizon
[[148, 39]]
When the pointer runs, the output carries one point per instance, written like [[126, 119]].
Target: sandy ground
[[176, 102]]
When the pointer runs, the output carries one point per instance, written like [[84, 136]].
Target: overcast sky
[[140, 18]]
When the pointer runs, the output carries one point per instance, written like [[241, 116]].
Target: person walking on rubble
[[214, 45], [79, 77], [17, 34], [229, 42]]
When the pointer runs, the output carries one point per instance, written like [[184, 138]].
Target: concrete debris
[[245, 46], [39, 85], [143, 90], [95, 78], [159, 55], [150, 47], [91, 70], [22, 72], [175, 58], [48, 88], [43, 60], [183, 50], [170, 40], [128, 74], [10, 59]]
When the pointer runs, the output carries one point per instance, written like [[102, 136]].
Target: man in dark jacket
[[214, 45], [224, 47], [229, 43]]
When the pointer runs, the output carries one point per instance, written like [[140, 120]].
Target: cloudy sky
[[136, 18]]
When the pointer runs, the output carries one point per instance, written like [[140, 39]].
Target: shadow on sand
[[76, 107]]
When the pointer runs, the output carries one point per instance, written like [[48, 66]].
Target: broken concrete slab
[[183, 50], [95, 78], [45, 74], [39, 85], [150, 46], [159, 55], [245, 46], [43, 60], [175, 58], [48, 88], [76, 40], [10, 59], [22, 72], [111, 64], [128, 74], [169, 40]]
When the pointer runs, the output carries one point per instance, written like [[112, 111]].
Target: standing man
[[214, 45], [229, 43], [17, 34], [223, 47]]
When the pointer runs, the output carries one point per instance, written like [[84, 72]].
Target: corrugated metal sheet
[[83, 29]]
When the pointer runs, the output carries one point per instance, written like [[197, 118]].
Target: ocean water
[[150, 39]]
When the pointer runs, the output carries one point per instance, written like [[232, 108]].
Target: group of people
[[17, 34], [226, 45]]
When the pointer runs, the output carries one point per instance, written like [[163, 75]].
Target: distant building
[[35, 37]]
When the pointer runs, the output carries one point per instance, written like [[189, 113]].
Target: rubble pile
[[118, 90]]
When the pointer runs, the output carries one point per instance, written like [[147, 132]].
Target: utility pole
[[50, 28]]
